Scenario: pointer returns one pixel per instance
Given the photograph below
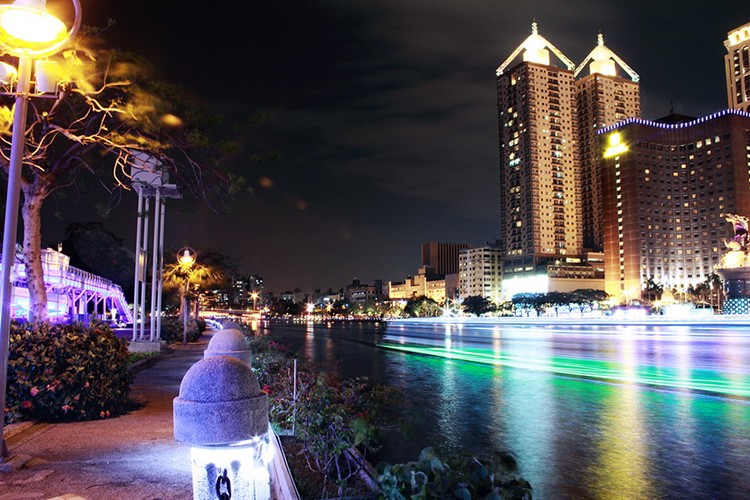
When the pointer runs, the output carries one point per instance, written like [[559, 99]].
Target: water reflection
[[574, 436]]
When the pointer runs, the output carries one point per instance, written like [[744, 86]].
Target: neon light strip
[[672, 125], [704, 380]]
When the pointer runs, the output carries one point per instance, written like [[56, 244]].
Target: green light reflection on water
[[698, 379]]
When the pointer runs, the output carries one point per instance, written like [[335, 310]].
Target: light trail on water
[[630, 360]]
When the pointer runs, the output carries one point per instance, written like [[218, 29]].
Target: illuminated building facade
[[603, 99], [737, 65], [425, 284], [480, 273], [665, 187], [540, 216], [550, 186]]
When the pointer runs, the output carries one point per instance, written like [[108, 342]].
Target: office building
[[666, 185], [480, 273], [442, 257], [737, 65]]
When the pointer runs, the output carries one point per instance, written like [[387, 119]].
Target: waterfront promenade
[[134, 456]]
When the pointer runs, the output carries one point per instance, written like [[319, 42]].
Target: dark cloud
[[384, 112]]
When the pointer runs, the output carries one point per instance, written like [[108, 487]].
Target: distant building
[[427, 283], [442, 257], [666, 184], [362, 293], [737, 66], [480, 273]]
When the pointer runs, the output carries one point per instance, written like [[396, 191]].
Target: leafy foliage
[[65, 372], [525, 302], [331, 416], [477, 305], [422, 307], [462, 477], [172, 329]]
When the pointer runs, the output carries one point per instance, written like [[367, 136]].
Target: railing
[[63, 279]]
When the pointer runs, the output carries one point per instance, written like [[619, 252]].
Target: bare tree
[[109, 109]]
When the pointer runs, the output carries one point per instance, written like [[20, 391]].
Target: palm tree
[[189, 280]]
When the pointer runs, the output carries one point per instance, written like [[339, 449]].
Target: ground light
[[700, 380], [28, 32]]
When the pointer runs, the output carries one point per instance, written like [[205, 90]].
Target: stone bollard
[[229, 343], [222, 414]]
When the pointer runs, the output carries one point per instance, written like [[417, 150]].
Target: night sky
[[383, 113]]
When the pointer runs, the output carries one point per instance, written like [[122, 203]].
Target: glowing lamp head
[[186, 257], [26, 26]]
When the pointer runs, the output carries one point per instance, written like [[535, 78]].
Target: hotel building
[[737, 64], [666, 184], [603, 98], [549, 167]]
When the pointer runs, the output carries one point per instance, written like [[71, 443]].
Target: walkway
[[133, 456]]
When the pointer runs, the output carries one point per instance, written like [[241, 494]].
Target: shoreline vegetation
[[330, 428]]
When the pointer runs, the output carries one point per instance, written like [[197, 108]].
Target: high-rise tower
[[603, 99], [737, 64], [540, 213]]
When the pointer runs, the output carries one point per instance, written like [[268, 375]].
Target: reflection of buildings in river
[[623, 464], [530, 416]]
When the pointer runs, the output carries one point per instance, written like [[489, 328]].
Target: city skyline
[[387, 131]]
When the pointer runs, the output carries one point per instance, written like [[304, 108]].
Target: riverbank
[[717, 320]]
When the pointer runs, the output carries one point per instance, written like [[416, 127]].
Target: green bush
[[65, 372], [172, 330]]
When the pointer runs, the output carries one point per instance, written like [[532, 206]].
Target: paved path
[[133, 456]]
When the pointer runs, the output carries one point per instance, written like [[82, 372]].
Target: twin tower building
[[591, 194]]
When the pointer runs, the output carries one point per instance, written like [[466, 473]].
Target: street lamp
[[254, 296], [186, 259], [28, 32]]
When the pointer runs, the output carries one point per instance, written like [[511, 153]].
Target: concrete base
[[145, 346]]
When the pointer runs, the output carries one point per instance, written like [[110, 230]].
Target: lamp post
[[254, 296], [28, 32], [186, 259]]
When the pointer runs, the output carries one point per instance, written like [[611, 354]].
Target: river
[[599, 411]]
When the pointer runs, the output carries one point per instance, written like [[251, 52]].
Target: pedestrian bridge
[[72, 294]]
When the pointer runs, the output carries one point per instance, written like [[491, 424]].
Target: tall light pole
[[28, 32], [186, 259]]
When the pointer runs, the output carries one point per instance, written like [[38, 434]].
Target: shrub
[[172, 330], [66, 372], [463, 477], [332, 416], [201, 324]]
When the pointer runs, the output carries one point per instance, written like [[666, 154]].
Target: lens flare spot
[[171, 120]]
